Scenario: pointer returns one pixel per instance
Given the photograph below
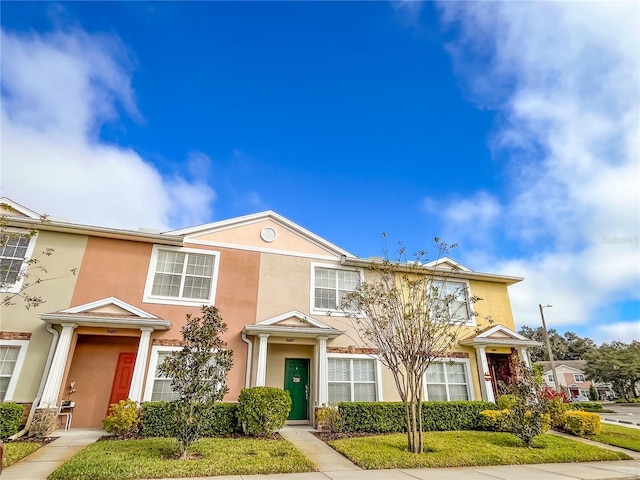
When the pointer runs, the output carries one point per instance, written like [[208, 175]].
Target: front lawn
[[619, 436], [14, 451], [466, 448], [154, 458]]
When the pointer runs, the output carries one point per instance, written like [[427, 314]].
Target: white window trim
[[156, 350], [575, 378], [549, 378], [312, 290], [359, 356], [472, 313], [17, 286], [148, 298], [467, 369], [22, 353]]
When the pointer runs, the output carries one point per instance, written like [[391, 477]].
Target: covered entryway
[[498, 351], [289, 351], [102, 348]]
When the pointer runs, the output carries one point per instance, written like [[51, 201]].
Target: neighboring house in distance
[[571, 376], [277, 286]]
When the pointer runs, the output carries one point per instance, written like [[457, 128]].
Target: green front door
[[296, 382]]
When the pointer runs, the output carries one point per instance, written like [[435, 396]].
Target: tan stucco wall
[[249, 235], [57, 293]]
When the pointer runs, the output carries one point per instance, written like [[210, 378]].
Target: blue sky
[[509, 128]]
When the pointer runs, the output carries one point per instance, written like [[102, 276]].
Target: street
[[623, 412]]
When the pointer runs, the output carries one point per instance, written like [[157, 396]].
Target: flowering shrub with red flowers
[[549, 394]]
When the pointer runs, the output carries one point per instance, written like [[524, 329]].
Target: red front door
[[122, 378]]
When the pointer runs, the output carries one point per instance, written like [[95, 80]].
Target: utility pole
[[546, 339]]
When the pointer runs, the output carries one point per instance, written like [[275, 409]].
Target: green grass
[[14, 451], [155, 458], [466, 448], [619, 436]]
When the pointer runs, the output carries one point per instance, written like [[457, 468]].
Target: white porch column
[[323, 381], [261, 373], [483, 367], [135, 391], [522, 354], [56, 371]]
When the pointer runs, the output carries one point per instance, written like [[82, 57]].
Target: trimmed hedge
[[582, 424], [263, 410], [387, 417], [157, 419], [10, 418]]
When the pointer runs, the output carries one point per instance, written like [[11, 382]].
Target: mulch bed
[[41, 440]]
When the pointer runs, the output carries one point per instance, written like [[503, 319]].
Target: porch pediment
[[292, 324], [499, 335], [108, 312]]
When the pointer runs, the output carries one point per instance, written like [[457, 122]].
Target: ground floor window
[[353, 379], [448, 381], [12, 353], [158, 386]]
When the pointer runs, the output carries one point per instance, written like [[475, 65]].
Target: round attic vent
[[268, 234]]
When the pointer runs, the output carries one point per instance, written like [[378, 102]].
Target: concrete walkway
[[333, 466], [41, 463]]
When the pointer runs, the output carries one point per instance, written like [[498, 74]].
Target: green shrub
[[10, 418], [491, 420], [594, 396], [555, 409], [386, 417], [588, 406], [263, 410], [582, 424], [506, 402], [157, 419], [329, 418], [123, 419]]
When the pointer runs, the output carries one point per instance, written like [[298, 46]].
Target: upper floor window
[[15, 250], [181, 276], [550, 378], [330, 285], [578, 377], [454, 303]]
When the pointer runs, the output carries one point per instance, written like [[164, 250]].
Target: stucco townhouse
[[277, 286]]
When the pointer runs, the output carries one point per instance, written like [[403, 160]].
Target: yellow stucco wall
[[57, 293]]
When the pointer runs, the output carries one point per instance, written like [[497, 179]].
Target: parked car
[[580, 398]]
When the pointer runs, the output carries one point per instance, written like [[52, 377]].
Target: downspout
[[247, 375], [43, 380]]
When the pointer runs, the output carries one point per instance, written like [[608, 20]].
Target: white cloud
[[565, 81], [57, 92], [619, 331]]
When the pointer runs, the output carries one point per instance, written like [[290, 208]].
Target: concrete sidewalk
[[41, 463], [333, 466]]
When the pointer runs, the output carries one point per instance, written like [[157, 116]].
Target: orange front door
[[122, 378]]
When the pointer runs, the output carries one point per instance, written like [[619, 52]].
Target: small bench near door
[[67, 412]]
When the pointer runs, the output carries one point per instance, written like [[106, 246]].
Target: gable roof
[[269, 215], [499, 335], [447, 263], [292, 324], [107, 312], [576, 365], [10, 208]]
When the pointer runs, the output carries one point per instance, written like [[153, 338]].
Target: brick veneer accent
[[353, 349], [15, 335], [168, 342]]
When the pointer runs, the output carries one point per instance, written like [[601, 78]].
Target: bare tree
[[412, 313]]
